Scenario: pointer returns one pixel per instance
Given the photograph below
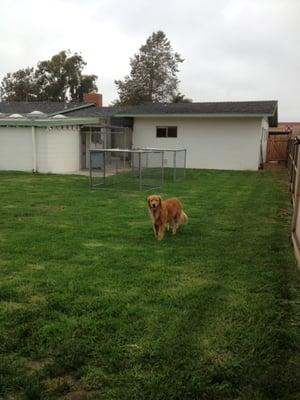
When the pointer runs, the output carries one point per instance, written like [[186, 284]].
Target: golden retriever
[[165, 214]]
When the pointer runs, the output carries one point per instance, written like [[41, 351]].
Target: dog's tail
[[183, 219]]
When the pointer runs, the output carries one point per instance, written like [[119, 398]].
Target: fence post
[[296, 188], [184, 163], [174, 165], [91, 176], [162, 167], [104, 166], [140, 171]]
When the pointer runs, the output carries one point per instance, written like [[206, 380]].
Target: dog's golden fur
[[165, 214]]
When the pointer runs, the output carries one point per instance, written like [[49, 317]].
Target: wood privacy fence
[[277, 147], [294, 175]]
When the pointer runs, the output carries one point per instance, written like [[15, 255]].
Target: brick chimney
[[95, 98]]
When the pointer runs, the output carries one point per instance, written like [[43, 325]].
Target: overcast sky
[[233, 49]]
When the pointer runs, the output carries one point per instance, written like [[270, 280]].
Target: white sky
[[233, 49]]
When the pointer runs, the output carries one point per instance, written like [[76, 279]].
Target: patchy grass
[[92, 307]]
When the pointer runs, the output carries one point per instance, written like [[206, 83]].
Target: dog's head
[[154, 202]]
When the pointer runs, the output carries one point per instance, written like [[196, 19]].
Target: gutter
[[187, 115], [51, 122]]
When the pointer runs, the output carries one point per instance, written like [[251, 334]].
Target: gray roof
[[24, 107], [235, 107], [243, 108], [248, 108], [89, 112], [72, 110], [22, 114]]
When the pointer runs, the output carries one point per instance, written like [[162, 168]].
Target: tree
[[87, 85], [57, 79], [61, 78], [19, 86], [153, 73], [180, 98]]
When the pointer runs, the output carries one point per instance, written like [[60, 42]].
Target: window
[[166, 131]]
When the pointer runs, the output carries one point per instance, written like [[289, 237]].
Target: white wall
[[216, 143], [16, 149], [58, 150]]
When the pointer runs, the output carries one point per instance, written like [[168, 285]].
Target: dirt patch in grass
[[81, 395], [36, 365]]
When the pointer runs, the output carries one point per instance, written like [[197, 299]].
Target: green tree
[[153, 73], [180, 98], [87, 85], [19, 86], [57, 79], [61, 78]]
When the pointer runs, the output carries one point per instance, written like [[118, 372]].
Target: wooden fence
[[294, 175], [277, 147]]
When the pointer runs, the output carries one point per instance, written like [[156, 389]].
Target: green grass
[[92, 307]]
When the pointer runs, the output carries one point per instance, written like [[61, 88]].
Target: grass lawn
[[92, 307]]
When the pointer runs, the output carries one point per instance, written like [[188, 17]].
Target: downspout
[[262, 152], [34, 158]]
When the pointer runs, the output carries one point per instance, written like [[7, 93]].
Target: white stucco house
[[223, 135], [56, 137]]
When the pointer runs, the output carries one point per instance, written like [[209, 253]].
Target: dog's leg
[[172, 223], [161, 232], [174, 228], [154, 230], [157, 231]]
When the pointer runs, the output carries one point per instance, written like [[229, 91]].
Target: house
[[47, 136], [222, 135], [56, 137]]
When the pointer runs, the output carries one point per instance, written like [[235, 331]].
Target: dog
[[165, 215]]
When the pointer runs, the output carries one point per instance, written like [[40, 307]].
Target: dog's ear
[[159, 198], [148, 200]]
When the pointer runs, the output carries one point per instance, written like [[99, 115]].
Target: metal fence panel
[[125, 169]]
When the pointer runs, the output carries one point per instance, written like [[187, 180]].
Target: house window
[[166, 131]]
